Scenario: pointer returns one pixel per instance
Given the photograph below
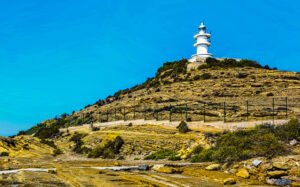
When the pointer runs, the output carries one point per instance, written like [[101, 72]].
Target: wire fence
[[228, 111]]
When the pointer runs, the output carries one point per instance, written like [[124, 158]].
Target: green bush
[[78, 147], [174, 158], [4, 153], [263, 141], [56, 152], [289, 131], [49, 143], [205, 76], [198, 149], [162, 154], [204, 156], [109, 150], [229, 63], [183, 127]]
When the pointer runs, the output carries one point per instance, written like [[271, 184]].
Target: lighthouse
[[202, 44]]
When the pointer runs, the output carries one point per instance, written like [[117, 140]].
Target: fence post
[[124, 115], [224, 112], [144, 112], [134, 112], [153, 112], [115, 114], [286, 107], [107, 115], [186, 113], [204, 111], [170, 113], [99, 116], [273, 108], [156, 108], [247, 108], [83, 117]]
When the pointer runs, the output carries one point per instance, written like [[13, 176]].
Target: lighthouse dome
[[202, 26]]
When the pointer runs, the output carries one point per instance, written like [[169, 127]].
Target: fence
[[228, 111]]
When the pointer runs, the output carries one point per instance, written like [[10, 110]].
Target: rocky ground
[[130, 169]]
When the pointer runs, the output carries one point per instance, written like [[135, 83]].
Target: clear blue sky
[[60, 55]]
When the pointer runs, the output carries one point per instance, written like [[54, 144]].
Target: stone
[[213, 167], [52, 171], [143, 167], [279, 182], [256, 162], [277, 173], [165, 170], [280, 165], [117, 164], [293, 142], [229, 181], [295, 184], [235, 166], [243, 173]]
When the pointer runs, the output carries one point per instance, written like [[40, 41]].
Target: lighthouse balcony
[[202, 34], [202, 43]]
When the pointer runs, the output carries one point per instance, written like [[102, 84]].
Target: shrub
[[197, 150], [174, 158], [95, 128], [48, 142], [205, 76], [78, 147], [183, 127], [204, 156], [4, 153], [56, 152], [245, 144], [289, 131], [197, 77], [242, 75], [229, 63], [109, 150], [162, 154]]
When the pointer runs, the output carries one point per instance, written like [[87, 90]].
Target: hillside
[[248, 91]]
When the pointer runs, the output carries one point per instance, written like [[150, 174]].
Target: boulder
[[277, 173], [229, 181], [256, 162], [243, 173], [279, 182], [280, 165], [213, 167], [293, 142]]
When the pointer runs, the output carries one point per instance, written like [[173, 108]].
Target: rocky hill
[[77, 150], [218, 90]]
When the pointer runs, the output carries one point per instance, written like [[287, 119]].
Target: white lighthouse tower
[[202, 43]]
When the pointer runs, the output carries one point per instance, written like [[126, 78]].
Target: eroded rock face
[[243, 173], [213, 167], [281, 165], [277, 173]]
